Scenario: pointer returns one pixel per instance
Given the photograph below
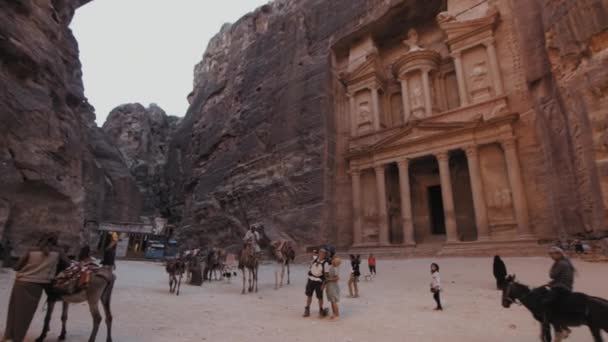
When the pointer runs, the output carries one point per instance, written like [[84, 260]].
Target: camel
[[283, 253], [99, 289], [175, 268], [249, 260]]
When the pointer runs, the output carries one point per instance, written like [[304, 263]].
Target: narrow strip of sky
[[145, 50]]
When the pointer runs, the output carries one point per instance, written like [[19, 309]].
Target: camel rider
[[562, 278], [253, 237]]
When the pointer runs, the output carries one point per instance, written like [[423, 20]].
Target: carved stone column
[[448, 197], [382, 210], [376, 108], [356, 183], [406, 202], [517, 188], [353, 115], [479, 200], [426, 84], [462, 87], [405, 98], [496, 76]]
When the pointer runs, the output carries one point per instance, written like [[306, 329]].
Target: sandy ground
[[396, 306]]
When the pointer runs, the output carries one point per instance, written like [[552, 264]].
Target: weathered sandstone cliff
[[56, 167], [257, 144], [142, 135]]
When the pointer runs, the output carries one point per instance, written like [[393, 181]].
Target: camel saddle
[[77, 277]]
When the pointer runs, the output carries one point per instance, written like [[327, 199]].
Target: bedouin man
[[562, 279], [253, 237]]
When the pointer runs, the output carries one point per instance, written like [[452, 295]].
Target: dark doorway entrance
[[436, 210]]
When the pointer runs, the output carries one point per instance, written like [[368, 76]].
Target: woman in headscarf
[[35, 271], [500, 272]]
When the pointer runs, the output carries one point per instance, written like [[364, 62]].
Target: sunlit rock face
[[56, 167], [142, 135], [298, 99]]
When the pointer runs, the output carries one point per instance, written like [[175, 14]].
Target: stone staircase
[[472, 249]]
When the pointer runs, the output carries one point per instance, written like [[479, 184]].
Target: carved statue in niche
[[364, 120], [417, 99], [480, 89], [500, 204], [412, 41]]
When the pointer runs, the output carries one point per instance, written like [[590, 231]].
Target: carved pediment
[[371, 69], [458, 30], [421, 130]]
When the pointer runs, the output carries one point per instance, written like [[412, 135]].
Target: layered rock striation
[[56, 167]]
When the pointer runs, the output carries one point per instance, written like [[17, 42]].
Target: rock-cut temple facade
[[436, 134]]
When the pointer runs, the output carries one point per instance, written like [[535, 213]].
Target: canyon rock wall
[[56, 167], [142, 135], [257, 143], [565, 53]]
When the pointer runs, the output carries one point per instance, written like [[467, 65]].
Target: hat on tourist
[[322, 250], [556, 249]]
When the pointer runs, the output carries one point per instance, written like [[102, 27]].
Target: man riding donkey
[[562, 280]]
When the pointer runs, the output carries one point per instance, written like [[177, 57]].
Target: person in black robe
[[500, 272]]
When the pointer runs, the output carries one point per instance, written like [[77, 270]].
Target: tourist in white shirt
[[316, 282]]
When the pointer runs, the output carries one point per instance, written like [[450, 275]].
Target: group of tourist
[[35, 272], [323, 274]]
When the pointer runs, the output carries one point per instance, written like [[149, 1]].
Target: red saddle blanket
[[75, 278]]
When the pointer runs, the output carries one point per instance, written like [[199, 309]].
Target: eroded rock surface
[[142, 135], [56, 166], [565, 52]]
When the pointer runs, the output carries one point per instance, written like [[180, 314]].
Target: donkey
[[176, 269], [99, 290], [573, 310]]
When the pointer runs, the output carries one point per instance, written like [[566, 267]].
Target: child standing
[[332, 289], [371, 263], [436, 285]]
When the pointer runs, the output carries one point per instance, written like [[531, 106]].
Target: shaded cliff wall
[[564, 49], [257, 142], [142, 136], [56, 167]]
